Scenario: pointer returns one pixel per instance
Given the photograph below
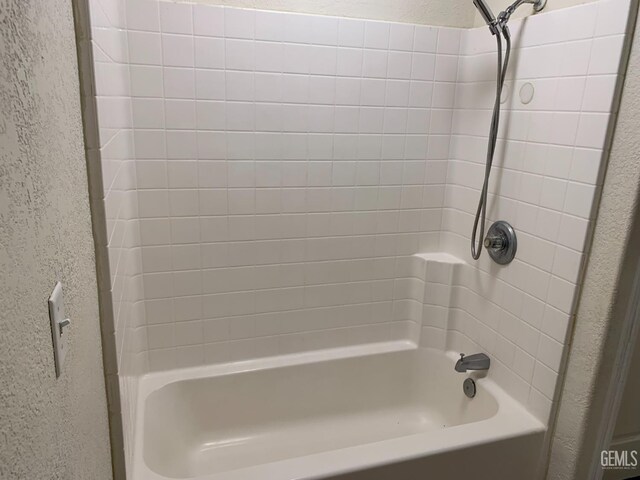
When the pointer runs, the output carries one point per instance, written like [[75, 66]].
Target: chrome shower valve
[[501, 242], [495, 242]]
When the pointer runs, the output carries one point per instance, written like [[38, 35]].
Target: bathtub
[[379, 411]]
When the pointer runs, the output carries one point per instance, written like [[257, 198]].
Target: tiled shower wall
[[287, 167], [546, 182], [283, 163]]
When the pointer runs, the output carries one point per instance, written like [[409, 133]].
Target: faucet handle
[[461, 357]]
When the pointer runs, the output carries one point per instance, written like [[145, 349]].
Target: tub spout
[[477, 361]]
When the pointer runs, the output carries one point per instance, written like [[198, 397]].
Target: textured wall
[[51, 428], [599, 316], [450, 13]]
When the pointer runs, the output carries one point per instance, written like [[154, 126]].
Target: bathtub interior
[[221, 423]]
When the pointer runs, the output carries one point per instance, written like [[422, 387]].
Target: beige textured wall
[[606, 287], [449, 13], [628, 422], [49, 428], [627, 431]]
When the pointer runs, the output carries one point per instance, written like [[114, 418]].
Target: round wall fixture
[[501, 242], [538, 6], [526, 93]]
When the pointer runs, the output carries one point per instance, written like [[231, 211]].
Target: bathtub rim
[[511, 420]]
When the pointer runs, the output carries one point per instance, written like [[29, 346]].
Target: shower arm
[[505, 15]]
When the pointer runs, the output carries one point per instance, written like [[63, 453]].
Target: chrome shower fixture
[[498, 27], [498, 24], [487, 15], [504, 16]]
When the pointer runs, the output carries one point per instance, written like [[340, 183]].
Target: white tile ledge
[[441, 257]]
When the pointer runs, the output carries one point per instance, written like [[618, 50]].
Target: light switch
[[60, 325]]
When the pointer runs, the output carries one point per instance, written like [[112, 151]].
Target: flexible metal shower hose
[[481, 213]]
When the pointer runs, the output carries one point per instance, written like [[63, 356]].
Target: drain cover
[[469, 387]]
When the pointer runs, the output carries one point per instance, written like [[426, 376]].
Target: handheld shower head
[[487, 14]]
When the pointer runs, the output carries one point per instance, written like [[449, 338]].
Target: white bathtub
[[378, 411]]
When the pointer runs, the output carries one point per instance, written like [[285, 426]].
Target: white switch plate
[[59, 327]]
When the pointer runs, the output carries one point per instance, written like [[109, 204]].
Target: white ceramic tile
[[182, 174], [145, 48], [349, 62], [239, 54], [176, 18], [401, 37], [155, 231], [446, 68], [180, 114], [374, 63], [269, 56], [146, 81], [585, 166], [177, 50], [376, 35], [148, 112], [553, 193], [610, 19], [179, 83], [240, 116], [151, 174], [606, 55], [423, 66], [181, 144], [269, 25], [149, 144], [569, 94], [425, 39], [572, 232], [153, 203], [209, 52], [296, 58], [592, 130], [210, 115], [209, 85], [399, 65], [143, 15], [112, 80], [239, 86], [239, 23], [448, 41], [579, 199], [397, 93], [544, 379], [208, 20], [576, 57], [599, 93], [350, 32]]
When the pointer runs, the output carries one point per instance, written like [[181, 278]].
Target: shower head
[[504, 16], [487, 14], [496, 25]]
